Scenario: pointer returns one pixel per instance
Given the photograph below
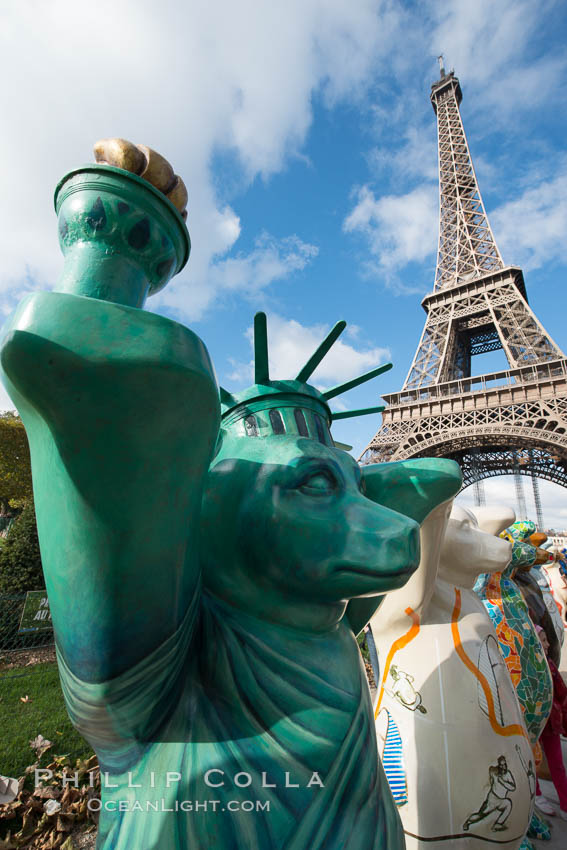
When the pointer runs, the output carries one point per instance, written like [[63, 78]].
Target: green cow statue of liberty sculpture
[[208, 557]]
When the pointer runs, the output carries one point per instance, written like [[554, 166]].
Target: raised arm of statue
[[121, 410]]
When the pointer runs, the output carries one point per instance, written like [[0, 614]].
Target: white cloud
[[291, 344], [189, 79], [415, 157], [269, 261], [532, 230], [399, 229], [6, 402]]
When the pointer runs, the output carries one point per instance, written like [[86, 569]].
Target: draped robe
[[239, 706]]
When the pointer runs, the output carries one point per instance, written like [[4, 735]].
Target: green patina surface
[[199, 570]]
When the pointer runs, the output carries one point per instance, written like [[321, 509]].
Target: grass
[[44, 714], [362, 645]]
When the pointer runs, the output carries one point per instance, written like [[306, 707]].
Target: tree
[[15, 467], [20, 560]]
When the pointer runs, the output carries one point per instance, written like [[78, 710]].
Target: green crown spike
[[363, 411], [294, 407], [325, 346], [261, 363], [226, 397], [342, 388]]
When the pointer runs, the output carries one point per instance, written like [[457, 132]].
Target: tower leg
[[478, 490], [522, 512], [537, 502]]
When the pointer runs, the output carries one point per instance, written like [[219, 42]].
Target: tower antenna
[[441, 61]]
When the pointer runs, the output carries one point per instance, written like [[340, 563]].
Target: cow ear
[[494, 519], [412, 487]]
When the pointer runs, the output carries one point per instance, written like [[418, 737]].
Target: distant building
[[559, 541]]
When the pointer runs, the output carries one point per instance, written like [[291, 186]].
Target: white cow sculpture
[[450, 730]]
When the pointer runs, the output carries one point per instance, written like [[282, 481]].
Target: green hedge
[[20, 561]]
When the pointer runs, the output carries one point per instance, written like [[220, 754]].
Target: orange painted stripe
[[396, 646], [505, 731]]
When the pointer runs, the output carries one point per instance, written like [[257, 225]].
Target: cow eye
[[320, 484]]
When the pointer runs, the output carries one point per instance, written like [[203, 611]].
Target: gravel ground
[[26, 657], [84, 840]]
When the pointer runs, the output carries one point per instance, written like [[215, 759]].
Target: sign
[[36, 615]]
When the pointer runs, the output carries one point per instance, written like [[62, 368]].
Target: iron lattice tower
[[477, 305]]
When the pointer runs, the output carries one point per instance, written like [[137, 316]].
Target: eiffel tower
[[511, 421]]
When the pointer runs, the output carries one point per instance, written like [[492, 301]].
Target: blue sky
[[307, 141]]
